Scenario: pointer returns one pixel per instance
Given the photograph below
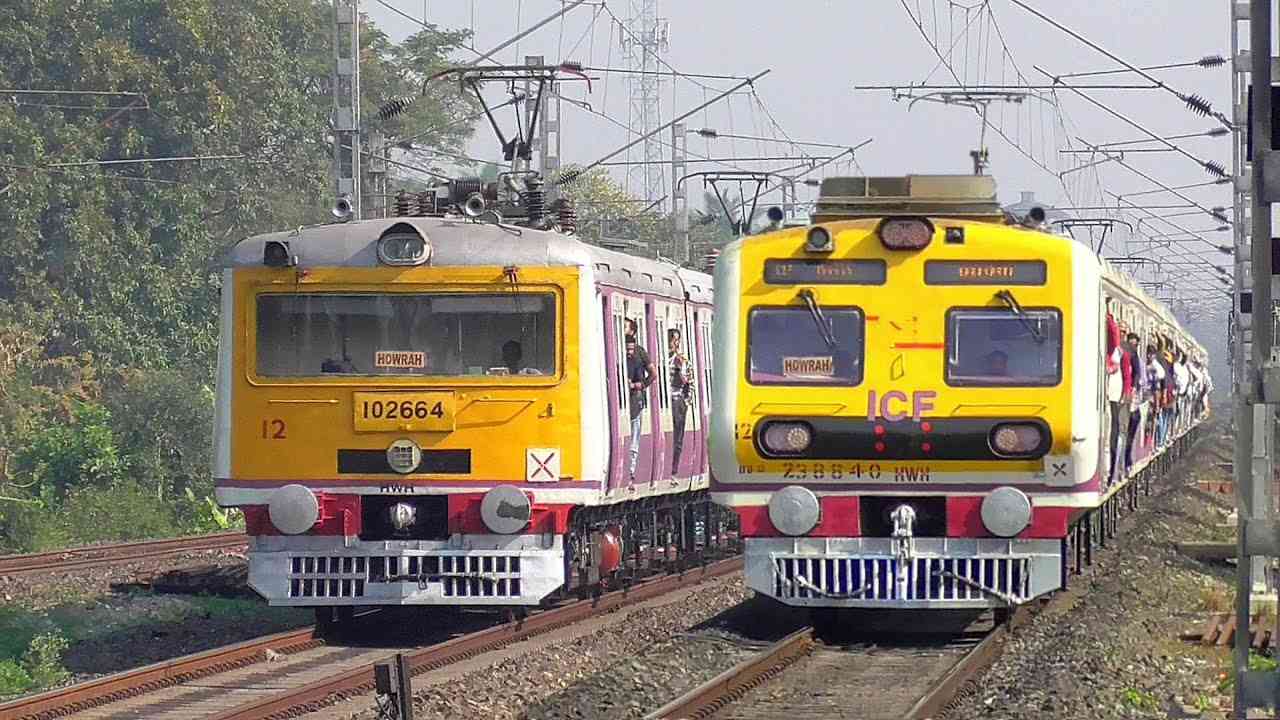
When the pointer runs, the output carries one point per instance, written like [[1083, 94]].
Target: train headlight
[[905, 233], [786, 438], [293, 509], [275, 253], [1006, 511], [405, 247], [505, 510], [404, 455], [1016, 439], [402, 515], [819, 240], [794, 510]]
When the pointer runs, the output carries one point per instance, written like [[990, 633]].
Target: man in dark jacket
[[639, 378], [681, 382]]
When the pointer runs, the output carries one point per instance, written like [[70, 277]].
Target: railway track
[[118, 553], [290, 674], [802, 676]]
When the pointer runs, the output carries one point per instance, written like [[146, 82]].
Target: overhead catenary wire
[[1194, 102], [1212, 167]]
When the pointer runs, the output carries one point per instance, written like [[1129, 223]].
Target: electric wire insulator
[[1215, 168], [1209, 61], [395, 106], [567, 216], [462, 188], [404, 203], [569, 178], [426, 203], [535, 200], [1197, 105]]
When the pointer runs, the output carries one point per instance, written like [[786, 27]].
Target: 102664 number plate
[[404, 411]]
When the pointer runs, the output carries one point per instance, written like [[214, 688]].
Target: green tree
[[81, 453], [111, 270]]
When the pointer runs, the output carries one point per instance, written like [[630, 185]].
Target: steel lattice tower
[[644, 41]]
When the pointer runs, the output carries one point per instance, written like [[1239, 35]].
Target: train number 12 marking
[[273, 429]]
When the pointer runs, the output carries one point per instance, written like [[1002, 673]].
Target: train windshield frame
[[431, 335], [1001, 347], [785, 347]]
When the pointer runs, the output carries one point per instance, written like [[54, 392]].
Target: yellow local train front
[[907, 398], [398, 412]]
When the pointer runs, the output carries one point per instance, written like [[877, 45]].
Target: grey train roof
[[462, 242]]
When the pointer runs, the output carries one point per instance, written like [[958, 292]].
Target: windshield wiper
[[1007, 298], [819, 319]]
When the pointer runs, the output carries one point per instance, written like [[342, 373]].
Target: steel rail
[[113, 688], [117, 553], [358, 681], [706, 699]]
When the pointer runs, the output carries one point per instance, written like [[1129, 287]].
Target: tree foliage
[[108, 272]]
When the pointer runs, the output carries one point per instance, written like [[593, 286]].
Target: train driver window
[[786, 346], [1004, 348], [406, 334]]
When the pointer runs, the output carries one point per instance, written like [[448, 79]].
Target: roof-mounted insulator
[[395, 106]]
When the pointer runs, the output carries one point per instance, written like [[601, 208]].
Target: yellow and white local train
[[909, 403], [433, 409]]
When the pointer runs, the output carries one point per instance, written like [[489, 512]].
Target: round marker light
[[794, 510], [818, 240], [786, 438], [293, 509], [505, 510], [905, 233], [1016, 439], [1006, 511], [402, 515], [404, 455]]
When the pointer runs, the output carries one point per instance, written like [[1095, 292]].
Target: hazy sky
[[819, 50]]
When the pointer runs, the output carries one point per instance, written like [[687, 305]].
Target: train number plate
[[404, 411]]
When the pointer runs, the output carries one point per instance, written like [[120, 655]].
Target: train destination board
[[780, 271], [985, 272]]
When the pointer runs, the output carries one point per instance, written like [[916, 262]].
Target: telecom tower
[[644, 40]]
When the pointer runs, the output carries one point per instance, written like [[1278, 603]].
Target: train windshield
[[787, 347], [402, 334], [1017, 348]]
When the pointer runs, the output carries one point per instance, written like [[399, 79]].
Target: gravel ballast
[[1111, 647]]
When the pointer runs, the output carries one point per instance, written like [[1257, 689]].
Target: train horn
[[474, 205], [342, 208]]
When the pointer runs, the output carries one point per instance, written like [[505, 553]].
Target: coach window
[[786, 346], [989, 347]]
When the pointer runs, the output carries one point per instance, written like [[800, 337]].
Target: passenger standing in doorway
[[639, 378], [1137, 413], [681, 381]]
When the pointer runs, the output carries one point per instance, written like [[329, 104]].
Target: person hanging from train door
[[1115, 389], [639, 377], [1159, 378], [1137, 401], [1182, 387], [680, 380]]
